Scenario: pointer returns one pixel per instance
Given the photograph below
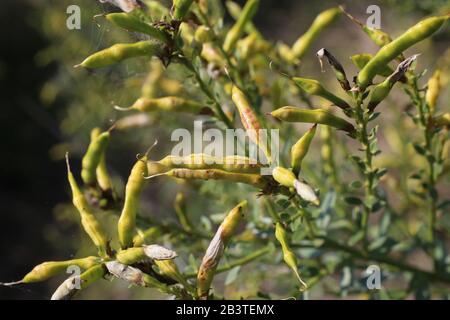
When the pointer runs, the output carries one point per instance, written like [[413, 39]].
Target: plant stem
[[238, 262], [419, 102], [362, 120], [330, 244]]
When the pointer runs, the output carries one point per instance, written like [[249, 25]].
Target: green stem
[[238, 262], [362, 120]]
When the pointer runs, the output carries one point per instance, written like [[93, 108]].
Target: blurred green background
[[49, 107]]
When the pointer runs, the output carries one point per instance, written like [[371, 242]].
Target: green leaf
[[232, 275], [353, 200], [355, 184], [419, 149]]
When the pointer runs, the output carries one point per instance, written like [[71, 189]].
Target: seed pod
[[154, 252], [443, 120], [180, 8], [236, 164], [165, 104], [93, 156], [90, 223], [203, 34], [120, 52], [252, 45], [145, 236], [133, 189], [134, 276], [235, 12], [381, 91], [306, 192], [378, 36], [169, 269], [323, 20], [288, 255], [255, 180], [69, 287], [286, 178], [314, 87], [180, 210], [238, 29], [320, 116], [390, 51], [212, 55], [360, 60], [337, 67], [434, 87], [216, 248], [46, 270], [131, 23], [300, 149], [102, 175], [249, 119]]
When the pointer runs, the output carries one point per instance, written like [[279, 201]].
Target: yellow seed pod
[[288, 255], [300, 149], [203, 34], [434, 87], [212, 55], [284, 176], [165, 104], [443, 120], [323, 20]]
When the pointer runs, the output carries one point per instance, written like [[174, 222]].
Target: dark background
[[31, 183]]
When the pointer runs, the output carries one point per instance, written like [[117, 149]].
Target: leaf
[[232, 275], [355, 238], [419, 149], [374, 115], [355, 184], [353, 200]]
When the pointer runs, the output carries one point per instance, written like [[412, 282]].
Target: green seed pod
[[300, 149], [203, 34], [443, 120], [180, 210], [319, 116], [46, 270], [103, 178], [434, 87], [389, 52], [255, 180], [378, 36], [165, 104], [284, 176], [236, 164], [238, 29], [90, 223], [133, 190], [157, 11], [381, 91], [288, 255], [92, 158], [120, 52], [216, 248], [153, 252], [181, 8], [323, 20], [337, 67], [360, 60], [69, 287], [235, 12], [169, 269], [315, 88], [129, 22]]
